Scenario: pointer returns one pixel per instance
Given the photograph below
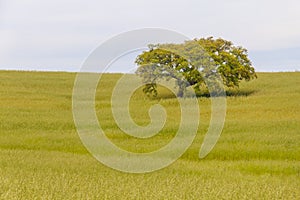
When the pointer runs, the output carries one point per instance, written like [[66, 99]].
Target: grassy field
[[42, 157]]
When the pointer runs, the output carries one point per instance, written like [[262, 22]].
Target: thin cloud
[[62, 33]]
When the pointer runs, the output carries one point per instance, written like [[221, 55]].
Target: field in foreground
[[42, 157]]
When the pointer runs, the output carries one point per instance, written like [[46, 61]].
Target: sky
[[58, 35]]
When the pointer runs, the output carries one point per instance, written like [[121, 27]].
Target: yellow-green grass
[[42, 157]]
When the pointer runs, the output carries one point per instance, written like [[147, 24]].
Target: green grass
[[42, 157]]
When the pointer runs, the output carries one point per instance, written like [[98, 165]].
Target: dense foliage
[[193, 62]]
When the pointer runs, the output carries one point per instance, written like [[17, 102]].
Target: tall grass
[[42, 157]]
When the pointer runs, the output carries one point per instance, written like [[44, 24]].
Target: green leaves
[[193, 62]]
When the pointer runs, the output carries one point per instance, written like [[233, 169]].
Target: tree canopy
[[193, 62]]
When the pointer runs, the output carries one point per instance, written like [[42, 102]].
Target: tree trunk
[[181, 88], [180, 92]]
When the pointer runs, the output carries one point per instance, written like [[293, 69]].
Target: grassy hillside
[[42, 157]]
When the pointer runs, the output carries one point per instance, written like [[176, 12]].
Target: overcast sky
[[60, 34]]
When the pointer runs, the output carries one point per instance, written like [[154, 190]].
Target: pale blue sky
[[59, 34]]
